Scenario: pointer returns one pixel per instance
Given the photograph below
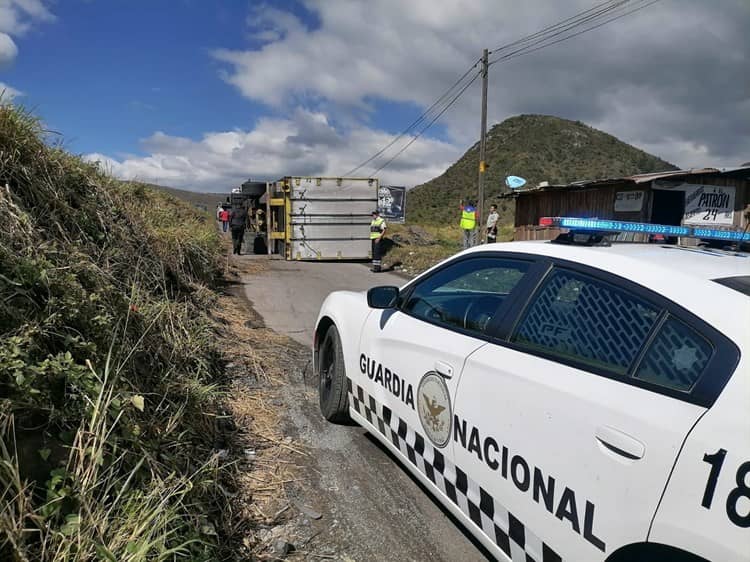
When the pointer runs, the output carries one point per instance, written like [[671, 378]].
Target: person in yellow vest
[[469, 220], [377, 231]]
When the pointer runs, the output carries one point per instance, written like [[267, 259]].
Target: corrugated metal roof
[[635, 179], [643, 178]]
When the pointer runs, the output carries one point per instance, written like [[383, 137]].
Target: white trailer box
[[321, 218]]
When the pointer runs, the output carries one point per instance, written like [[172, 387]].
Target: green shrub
[[110, 372]]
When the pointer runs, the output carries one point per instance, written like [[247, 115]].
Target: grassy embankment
[[110, 372], [416, 248]]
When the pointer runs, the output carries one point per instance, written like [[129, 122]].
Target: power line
[[545, 42], [562, 30], [407, 145], [593, 14], [416, 122], [593, 11], [584, 16]]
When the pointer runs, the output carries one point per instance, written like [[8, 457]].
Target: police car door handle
[[443, 369], [620, 443]]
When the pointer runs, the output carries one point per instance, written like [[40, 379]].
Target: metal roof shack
[[705, 197]]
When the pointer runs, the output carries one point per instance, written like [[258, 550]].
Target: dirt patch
[[413, 235], [269, 521], [412, 249]]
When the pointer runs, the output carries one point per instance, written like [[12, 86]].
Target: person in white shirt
[[377, 231], [492, 219]]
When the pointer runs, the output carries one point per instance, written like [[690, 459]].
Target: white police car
[[564, 402]]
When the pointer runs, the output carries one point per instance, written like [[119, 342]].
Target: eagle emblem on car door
[[434, 407]]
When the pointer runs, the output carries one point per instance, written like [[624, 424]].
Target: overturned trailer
[[316, 218]]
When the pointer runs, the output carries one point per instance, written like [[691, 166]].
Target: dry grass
[[419, 247], [109, 364], [268, 461]]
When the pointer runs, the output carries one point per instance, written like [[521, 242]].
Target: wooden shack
[[706, 197]]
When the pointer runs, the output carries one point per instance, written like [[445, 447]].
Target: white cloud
[[268, 24], [8, 93], [17, 16], [362, 49], [688, 58], [16, 19], [304, 144], [8, 50], [671, 79]]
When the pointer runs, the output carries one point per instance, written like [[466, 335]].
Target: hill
[[537, 148], [206, 201]]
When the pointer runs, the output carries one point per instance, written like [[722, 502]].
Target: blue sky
[[202, 95], [108, 73]]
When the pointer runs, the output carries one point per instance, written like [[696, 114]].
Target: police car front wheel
[[332, 383]]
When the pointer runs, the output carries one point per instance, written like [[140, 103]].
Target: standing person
[[224, 218], [238, 224], [492, 219], [469, 219], [377, 231], [260, 217]]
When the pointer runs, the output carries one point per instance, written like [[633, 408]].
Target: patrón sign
[[709, 204]]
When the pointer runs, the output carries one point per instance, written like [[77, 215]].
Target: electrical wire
[[545, 42], [419, 134], [417, 121], [598, 15], [593, 11]]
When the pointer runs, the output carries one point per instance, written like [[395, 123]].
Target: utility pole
[[483, 144]]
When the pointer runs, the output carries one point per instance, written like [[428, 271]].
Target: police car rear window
[[741, 283], [676, 358], [587, 320]]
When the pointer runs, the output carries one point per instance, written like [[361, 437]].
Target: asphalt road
[[371, 507], [290, 293]]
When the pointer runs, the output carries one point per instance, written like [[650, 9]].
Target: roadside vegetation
[[110, 366], [413, 248]]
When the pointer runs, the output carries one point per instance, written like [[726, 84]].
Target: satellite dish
[[514, 182]]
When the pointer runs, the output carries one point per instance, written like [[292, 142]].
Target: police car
[[576, 400]]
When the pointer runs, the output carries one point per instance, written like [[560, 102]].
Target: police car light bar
[[606, 225]]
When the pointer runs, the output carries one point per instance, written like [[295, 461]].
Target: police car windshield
[[741, 284]]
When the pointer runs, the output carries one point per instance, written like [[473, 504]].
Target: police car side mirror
[[382, 297]]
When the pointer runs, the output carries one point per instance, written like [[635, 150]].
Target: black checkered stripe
[[508, 532]]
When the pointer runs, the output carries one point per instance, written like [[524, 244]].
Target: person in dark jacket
[[238, 224]]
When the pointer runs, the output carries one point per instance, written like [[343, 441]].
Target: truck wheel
[[332, 386]]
